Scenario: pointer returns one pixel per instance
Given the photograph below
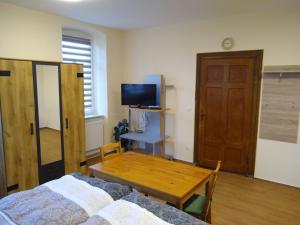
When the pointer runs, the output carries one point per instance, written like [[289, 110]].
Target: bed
[[78, 199]]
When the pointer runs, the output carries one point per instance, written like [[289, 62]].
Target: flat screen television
[[138, 94]]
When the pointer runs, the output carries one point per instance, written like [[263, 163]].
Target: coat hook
[[293, 105], [280, 76]]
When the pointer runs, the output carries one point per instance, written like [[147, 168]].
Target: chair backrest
[[110, 150], [211, 188]]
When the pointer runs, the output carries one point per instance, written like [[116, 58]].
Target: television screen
[[138, 94]]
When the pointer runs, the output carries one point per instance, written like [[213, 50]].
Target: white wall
[[171, 51], [30, 34], [48, 96]]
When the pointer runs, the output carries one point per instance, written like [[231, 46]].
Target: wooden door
[[18, 120], [73, 117], [227, 100]]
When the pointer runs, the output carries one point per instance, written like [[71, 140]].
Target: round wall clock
[[227, 43]]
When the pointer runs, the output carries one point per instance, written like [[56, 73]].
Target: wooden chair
[[199, 205], [110, 150]]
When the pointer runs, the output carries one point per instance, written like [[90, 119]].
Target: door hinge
[[12, 187], [84, 163], [79, 75]]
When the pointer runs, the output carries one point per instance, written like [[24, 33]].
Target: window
[[79, 50]]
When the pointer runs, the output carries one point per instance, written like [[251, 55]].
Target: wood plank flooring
[[240, 200]]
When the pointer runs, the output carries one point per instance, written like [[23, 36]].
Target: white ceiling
[[130, 14]]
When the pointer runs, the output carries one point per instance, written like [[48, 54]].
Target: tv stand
[[154, 134], [145, 137], [150, 107], [144, 107], [134, 106]]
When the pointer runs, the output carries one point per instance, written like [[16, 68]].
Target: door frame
[[57, 168], [258, 55]]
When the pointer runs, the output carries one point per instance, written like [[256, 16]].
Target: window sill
[[93, 117]]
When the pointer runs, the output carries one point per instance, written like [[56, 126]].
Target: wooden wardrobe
[[20, 135]]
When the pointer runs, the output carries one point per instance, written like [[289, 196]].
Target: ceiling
[[130, 14]]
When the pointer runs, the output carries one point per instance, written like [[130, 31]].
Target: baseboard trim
[[274, 182], [182, 161], [92, 153]]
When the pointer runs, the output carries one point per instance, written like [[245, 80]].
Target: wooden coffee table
[[171, 181]]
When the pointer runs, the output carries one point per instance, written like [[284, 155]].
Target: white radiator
[[94, 134]]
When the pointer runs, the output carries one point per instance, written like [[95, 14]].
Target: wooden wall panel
[[73, 114], [280, 107], [17, 104]]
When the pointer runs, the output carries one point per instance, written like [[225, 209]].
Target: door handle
[[31, 129], [67, 123]]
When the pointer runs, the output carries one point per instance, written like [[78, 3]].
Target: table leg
[[208, 217], [179, 205], [90, 173], [153, 149], [161, 146]]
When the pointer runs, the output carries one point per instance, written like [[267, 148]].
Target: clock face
[[227, 43]]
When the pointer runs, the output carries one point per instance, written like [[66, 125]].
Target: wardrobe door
[[18, 122], [73, 116], [3, 186]]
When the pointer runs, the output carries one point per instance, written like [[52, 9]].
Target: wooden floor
[[50, 145], [240, 200]]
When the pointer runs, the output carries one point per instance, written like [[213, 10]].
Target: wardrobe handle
[[67, 123], [31, 129]]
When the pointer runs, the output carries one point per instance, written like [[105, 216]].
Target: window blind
[[79, 50]]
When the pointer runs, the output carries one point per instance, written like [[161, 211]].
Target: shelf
[[170, 86], [167, 110], [148, 110], [143, 137]]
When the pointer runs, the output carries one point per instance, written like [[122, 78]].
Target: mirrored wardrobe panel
[[49, 127]]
